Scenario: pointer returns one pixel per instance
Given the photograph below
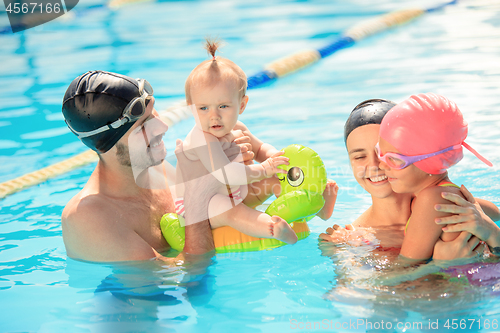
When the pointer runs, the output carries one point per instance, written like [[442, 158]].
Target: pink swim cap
[[427, 123]]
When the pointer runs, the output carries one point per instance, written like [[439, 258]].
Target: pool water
[[453, 52]]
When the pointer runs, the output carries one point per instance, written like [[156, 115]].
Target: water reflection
[[428, 294], [138, 296]]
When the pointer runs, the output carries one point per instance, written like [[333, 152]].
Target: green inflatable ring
[[172, 228], [302, 187]]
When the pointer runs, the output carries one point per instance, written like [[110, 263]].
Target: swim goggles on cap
[[398, 161], [133, 111]]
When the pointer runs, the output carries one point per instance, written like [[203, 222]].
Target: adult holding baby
[[112, 218]]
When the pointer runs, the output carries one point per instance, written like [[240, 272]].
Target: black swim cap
[[96, 99], [371, 111]]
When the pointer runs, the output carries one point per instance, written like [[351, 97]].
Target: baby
[[215, 90]]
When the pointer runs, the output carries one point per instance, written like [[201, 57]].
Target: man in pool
[[112, 218]]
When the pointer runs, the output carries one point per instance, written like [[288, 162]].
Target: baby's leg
[[219, 206], [330, 196], [259, 192], [249, 221]]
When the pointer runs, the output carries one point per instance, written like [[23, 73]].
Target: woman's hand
[[336, 234], [464, 246], [469, 217]]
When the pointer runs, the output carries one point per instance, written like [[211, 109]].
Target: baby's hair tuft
[[213, 71], [212, 45]]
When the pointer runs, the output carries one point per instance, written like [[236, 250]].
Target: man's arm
[[200, 186], [94, 233], [197, 238], [197, 195]]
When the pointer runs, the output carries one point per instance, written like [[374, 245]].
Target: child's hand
[[330, 196], [271, 164]]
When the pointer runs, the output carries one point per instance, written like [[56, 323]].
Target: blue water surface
[[453, 52]]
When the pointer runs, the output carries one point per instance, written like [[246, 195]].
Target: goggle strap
[[116, 124], [472, 150], [81, 135]]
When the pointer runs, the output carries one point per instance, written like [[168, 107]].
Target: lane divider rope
[[297, 61], [271, 72]]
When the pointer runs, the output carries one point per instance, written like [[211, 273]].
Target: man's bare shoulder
[[85, 207], [85, 216], [93, 230]]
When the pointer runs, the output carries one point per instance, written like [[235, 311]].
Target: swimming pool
[[453, 52]]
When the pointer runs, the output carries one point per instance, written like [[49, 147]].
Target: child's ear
[[243, 104]]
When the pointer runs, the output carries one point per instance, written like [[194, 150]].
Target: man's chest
[[144, 218]]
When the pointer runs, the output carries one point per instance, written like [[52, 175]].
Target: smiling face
[[145, 140], [408, 180], [364, 162], [218, 106]]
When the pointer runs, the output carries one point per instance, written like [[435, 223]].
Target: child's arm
[[232, 173], [422, 232], [261, 150]]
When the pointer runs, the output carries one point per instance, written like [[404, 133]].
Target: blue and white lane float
[[270, 73]]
